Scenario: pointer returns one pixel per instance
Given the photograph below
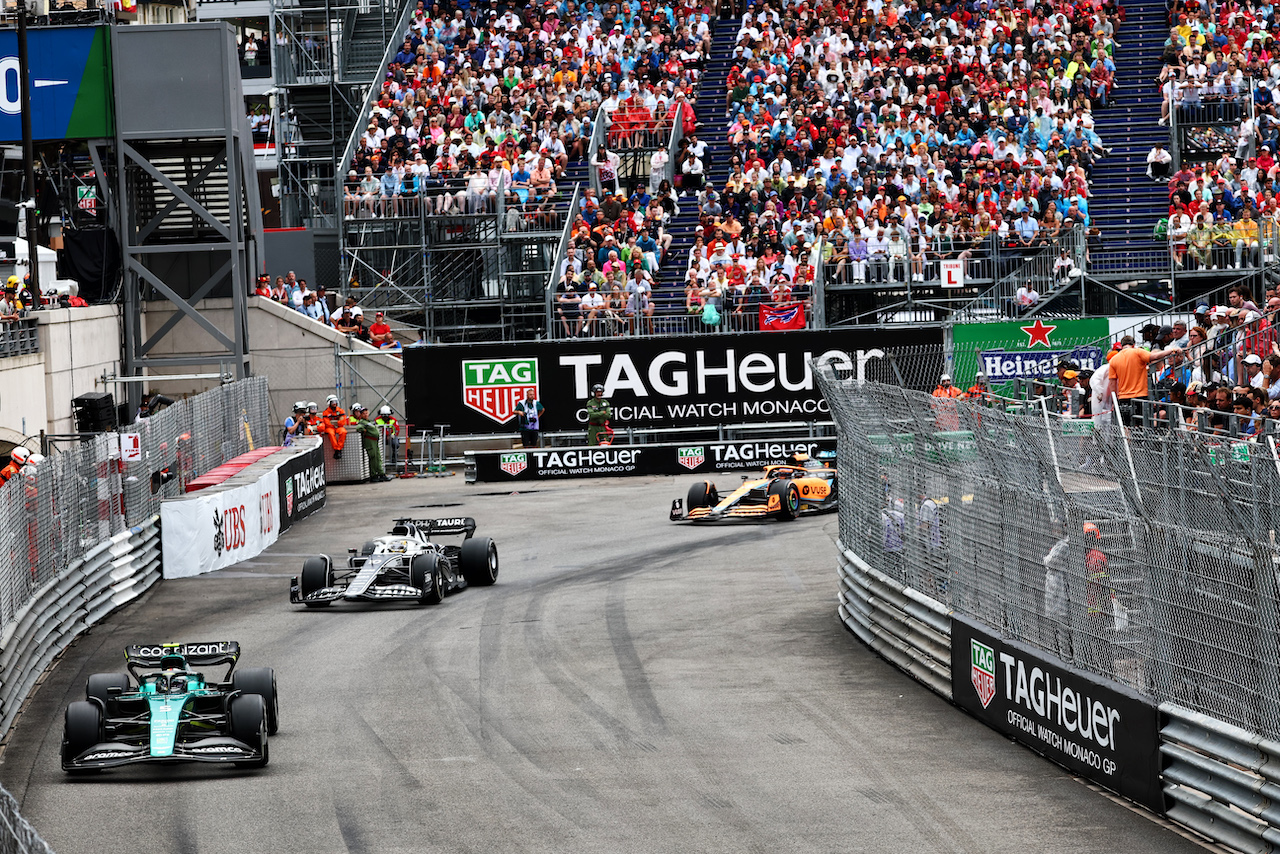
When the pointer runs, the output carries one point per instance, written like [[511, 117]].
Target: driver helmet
[[331, 399], [797, 459], [300, 406], [178, 684], [162, 684], [19, 454], [598, 388], [386, 410]]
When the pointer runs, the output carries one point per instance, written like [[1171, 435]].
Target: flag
[[782, 316]]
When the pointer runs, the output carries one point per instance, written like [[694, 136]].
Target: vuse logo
[[495, 386], [691, 458], [513, 464], [982, 672]]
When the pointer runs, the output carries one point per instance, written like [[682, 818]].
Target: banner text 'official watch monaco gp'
[[651, 382]]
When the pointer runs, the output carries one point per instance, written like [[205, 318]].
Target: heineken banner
[[1097, 729], [301, 485], [704, 458], [688, 381], [1026, 349]]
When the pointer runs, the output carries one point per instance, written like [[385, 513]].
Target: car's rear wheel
[[479, 561], [248, 723], [317, 574], [426, 575], [260, 681], [82, 729], [789, 498], [702, 494], [100, 684]]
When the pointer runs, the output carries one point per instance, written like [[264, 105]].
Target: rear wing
[[427, 527], [206, 654]]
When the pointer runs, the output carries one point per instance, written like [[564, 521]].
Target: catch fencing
[[1145, 558]]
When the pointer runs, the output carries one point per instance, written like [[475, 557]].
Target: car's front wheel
[[317, 574], [426, 574], [702, 494], [788, 498], [260, 681], [247, 716], [82, 729]]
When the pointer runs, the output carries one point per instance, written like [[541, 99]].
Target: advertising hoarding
[[694, 380], [71, 95], [1027, 349]]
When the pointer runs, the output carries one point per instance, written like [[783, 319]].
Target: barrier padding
[[229, 469]]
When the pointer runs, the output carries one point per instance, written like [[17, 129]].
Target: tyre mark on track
[[624, 649], [930, 819]]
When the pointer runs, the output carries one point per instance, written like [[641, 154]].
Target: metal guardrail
[[1221, 781], [19, 337], [906, 627]]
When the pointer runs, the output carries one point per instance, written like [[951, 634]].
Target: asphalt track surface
[[629, 685]]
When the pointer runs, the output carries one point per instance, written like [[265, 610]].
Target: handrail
[[598, 130], [1039, 267], [362, 123], [553, 278], [673, 144]]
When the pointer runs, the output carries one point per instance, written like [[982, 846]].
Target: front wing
[[109, 754], [372, 593]]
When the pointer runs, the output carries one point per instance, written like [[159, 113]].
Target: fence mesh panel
[[1148, 558]]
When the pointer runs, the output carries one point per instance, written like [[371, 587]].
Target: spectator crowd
[[882, 139], [1219, 70], [342, 315]]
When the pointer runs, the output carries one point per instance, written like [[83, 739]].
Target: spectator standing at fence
[[8, 307], [369, 439], [1128, 368], [1056, 600], [894, 522], [529, 420]]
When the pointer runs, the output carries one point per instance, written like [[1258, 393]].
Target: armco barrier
[[906, 627], [1220, 780], [701, 458], [111, 574]]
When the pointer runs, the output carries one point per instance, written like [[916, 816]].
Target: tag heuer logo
[[513, 464], [691, 458], [288, 496], [982, 673], [495, 386]]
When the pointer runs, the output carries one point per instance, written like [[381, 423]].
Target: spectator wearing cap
[[380, 334], [592, 306], [569, 309]]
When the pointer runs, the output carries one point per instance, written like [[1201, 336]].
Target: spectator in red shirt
[[380, 333]]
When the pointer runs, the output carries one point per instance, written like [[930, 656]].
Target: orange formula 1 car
[[799, 486]]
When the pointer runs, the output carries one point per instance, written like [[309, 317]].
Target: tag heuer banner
[[301, 486], [1029, 349], [709, 379], [1097, 729], [704, 459]]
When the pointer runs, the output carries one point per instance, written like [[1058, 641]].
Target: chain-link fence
[[191, 437], [1148, 558]]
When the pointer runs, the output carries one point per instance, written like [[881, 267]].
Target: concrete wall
[[22, 399], [79, 345], [295, 353]]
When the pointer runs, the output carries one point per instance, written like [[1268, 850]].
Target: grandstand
[[492, 136]]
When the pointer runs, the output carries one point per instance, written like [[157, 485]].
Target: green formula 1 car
[[166, 710]]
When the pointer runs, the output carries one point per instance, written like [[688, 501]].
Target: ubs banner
[[701, 458], [651, 382], [1101, 731], [301, 486]]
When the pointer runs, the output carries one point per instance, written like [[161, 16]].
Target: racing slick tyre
[[367, 549], [247, 720], [317, 574], [789, 498], [82, 729], [425, 574], [702, 494], [260, 681], [479, 561], [100, 685]]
